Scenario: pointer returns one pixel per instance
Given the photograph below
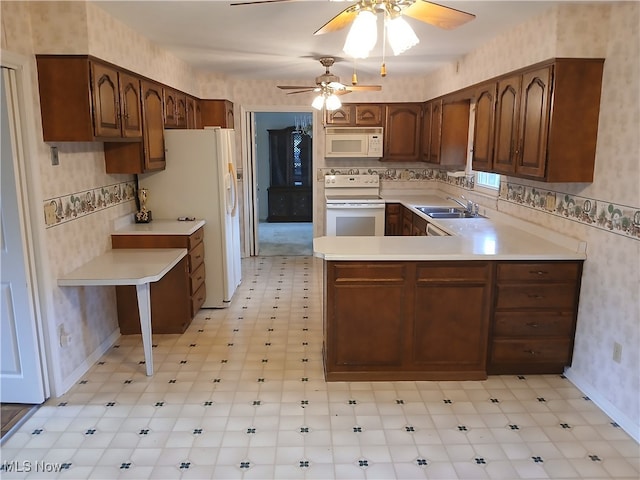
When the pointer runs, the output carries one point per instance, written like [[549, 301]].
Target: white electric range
[[354, 205]]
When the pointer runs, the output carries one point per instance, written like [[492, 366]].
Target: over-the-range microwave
[[353, 142]]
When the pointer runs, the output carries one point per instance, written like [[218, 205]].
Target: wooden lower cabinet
[[448, 320], [393, 219], [177, 297], [534, 318], [406, 320]]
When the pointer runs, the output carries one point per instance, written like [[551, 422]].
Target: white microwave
[[353, 142]]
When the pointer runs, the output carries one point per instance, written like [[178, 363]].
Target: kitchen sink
[[447, 212]]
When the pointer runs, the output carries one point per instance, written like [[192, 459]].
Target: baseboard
[[84, 367], [607, 407]]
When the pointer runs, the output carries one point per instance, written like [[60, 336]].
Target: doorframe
[[29, 193], [249, 167]]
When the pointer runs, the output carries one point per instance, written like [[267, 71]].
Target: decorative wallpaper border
[[614, 218], [70, 207], [459, 179]]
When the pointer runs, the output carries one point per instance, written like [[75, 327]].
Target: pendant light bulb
[[333, 102], [318, 102], [401, 35], [362, 36]]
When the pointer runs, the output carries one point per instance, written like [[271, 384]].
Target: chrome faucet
[[467, 206]]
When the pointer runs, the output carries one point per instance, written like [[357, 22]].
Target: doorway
[[278, 181]]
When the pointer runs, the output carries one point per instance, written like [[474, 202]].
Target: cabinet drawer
[[197, 278], [195, 238], [538, 272], [561, 296], [198, 299], [196, 257], [531, 351], [344, 272], [534, 324]]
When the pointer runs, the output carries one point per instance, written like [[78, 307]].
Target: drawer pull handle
[[532, 352], [538, 272], [537, 297], [532, 324]]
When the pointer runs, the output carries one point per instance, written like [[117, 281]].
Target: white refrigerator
[[200, 181]]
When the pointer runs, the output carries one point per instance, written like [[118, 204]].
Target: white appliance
[[353, 142], [200, 181], [354, 206]]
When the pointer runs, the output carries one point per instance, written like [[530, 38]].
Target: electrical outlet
[[617, 352]]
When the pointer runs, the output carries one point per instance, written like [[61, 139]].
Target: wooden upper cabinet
[[175, 108], [402, 132], [83, 100], [194, 113], [426, 131], [546, 121], [432, 136], [153, 132], [484, 117], [454, 133], [148, 155], [356, 115], [217, 113]]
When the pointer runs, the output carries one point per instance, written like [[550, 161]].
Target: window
[[488, 180]]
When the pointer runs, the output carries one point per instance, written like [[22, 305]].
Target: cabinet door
[[451, 315], [435, 132], [152, 110], [131, 106], [193, 111], [402, 132], [393, 219], [482, 155], [343, 116], [534, 123], [181, 110], [454, 134], [170, 107], [106, 101], [217, 113], [506, 128], [426, 131], [369, 115], [366, 315]]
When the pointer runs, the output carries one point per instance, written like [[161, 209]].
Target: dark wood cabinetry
[[83, 100], [445, 131], [148, 155], [194, 113], [356, 115], [484, 118], [175, 108], [393, 219], [534, 316], [546, 121], [217, 113], [289, 193], [402, 132], [177, 297], [406, 320]]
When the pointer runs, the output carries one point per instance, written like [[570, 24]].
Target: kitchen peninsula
[[496, 296]]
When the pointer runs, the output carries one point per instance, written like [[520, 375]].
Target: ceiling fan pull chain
[[383, 67]]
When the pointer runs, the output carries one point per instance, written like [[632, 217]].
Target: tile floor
[[241, 395]]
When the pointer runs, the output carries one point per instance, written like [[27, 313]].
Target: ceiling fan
[[330, 82], [428, 12]]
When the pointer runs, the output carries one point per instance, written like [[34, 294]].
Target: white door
[[20, 368]]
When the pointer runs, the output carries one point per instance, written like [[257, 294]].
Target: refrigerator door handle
[[232, 189]]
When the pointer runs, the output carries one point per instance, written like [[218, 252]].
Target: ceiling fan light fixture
[[333, 102], [401, 35], [362, 36], [318, 102]]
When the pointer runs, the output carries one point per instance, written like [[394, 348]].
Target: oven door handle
[[350, 206]]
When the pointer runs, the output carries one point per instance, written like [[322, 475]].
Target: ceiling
[[276, 41]]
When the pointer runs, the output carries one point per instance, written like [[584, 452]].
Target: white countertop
[[159, 227], [125, 266], [497, 237]]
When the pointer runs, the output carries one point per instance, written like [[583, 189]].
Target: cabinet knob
[[537, 297], [538, 272], [532, 352], [532, 324]]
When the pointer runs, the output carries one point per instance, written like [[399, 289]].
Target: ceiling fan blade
[[438, 15], [302, 91], [364, 88], [344, 18], [341, 92], [295, 87]]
